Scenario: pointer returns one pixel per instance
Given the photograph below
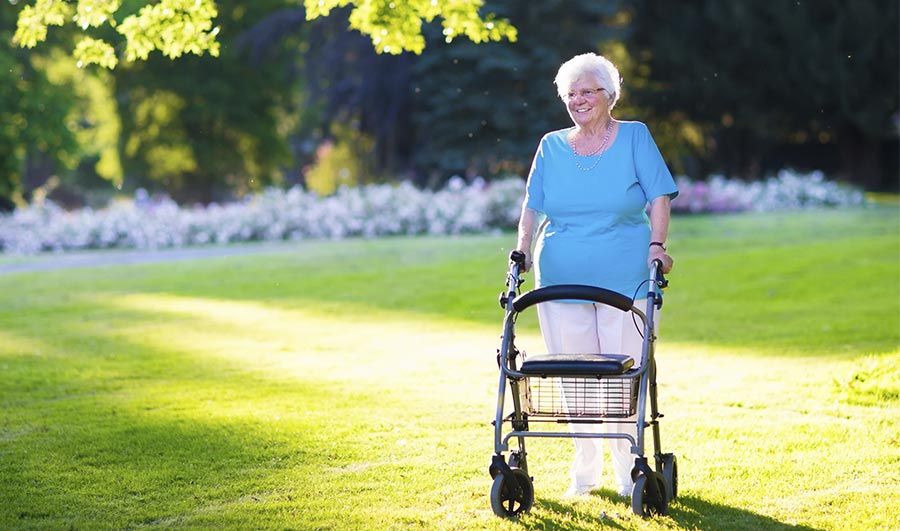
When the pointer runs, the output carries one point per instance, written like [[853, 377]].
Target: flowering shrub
[[786, 191], [368, 211]]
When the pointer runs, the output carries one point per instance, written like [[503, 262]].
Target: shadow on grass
[[686, 512], [110, 433], [130, 470]]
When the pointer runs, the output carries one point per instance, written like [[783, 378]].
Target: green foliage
[[33, 21], [395, 26], [174, 27], [93, 118], [345, 161], [94, 51], [94, 13], [36, 129], [177, 27], [159, 136], [206, 128]]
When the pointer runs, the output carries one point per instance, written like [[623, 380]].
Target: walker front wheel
[[644, 502], [511, 499]]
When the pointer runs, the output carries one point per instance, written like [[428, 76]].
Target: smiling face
[[587, 103]]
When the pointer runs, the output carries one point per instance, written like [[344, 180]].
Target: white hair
[[590, 64]]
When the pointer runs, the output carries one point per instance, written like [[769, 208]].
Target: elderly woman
[[590, 184]]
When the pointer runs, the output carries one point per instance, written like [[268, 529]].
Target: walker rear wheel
[[511, 500], [643, 502], [670, 474]]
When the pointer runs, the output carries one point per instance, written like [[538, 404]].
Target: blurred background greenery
[[738, 88]]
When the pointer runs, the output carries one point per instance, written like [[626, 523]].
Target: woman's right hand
[[526, 265]]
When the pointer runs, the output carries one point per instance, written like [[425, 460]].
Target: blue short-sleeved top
[[596, 230]]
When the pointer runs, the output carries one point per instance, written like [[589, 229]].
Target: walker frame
[[610, 391]]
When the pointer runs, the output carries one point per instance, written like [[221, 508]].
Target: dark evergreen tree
[[773, 84], [483, 108]]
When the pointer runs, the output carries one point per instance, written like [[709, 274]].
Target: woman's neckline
[[613, 137]]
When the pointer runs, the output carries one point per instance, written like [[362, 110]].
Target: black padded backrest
[[572, 291]]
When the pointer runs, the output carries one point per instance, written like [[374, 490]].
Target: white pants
[[575, 328]]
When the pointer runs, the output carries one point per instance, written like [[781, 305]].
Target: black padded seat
[[577, 365]]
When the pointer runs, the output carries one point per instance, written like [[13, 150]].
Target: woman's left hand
[[657, 253]]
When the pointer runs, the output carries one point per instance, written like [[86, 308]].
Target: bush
[[786, 191], [367, 211]]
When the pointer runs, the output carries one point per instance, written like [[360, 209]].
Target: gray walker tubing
[[508, 364]]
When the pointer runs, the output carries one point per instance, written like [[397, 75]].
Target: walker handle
[[657, 274], [658, 283], [517, 263], [572, 291]]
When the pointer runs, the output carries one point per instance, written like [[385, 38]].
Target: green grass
[[351, 385]]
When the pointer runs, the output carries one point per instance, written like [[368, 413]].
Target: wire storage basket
[[614, 397]]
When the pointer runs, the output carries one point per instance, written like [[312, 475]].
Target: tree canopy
[[173, 27], [395, 26], [178, 27]]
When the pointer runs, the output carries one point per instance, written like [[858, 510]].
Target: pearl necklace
[[598, 150]]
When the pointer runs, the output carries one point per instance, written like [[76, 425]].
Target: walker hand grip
[[660, 278], [572, 291], [517, 257]]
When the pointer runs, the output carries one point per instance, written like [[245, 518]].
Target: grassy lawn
[[352, 384]]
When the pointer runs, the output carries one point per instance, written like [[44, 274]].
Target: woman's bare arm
[[660, 213], [526, 234]]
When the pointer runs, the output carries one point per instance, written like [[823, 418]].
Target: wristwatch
[[661, 244]]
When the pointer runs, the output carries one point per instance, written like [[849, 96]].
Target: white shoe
[[577, 491], [625, 492]]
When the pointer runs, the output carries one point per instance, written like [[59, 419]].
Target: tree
[[483, 109], [205, 128], [774, 83], [37, 130], [198, 127], [178, 27], [461, 107]]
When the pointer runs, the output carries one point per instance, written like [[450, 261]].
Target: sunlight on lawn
[[725, 407], [393, 348], [16, 345], [390, 350]]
